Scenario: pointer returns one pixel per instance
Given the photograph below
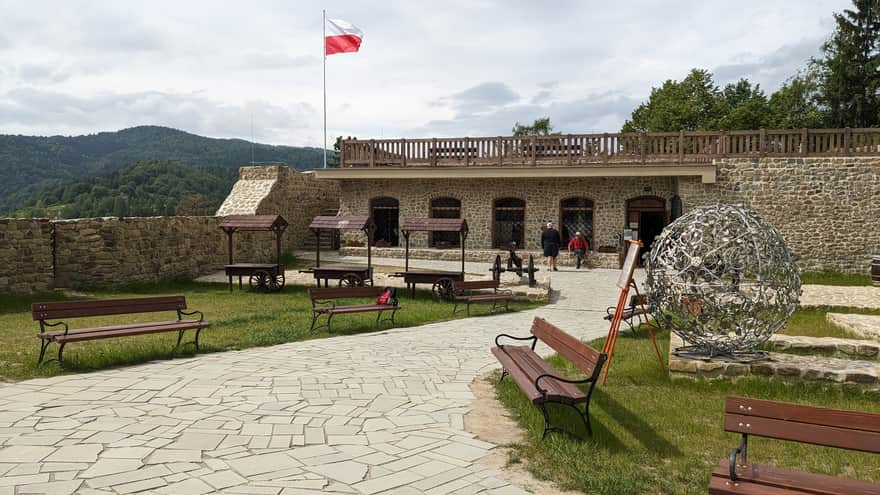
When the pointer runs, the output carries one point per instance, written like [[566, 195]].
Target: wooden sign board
[[629, 265]]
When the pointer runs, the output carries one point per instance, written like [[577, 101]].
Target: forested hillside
[[31, 167]]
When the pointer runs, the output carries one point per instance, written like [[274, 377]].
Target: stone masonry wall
[[101, 252], [827, 208], [25, 255], [278, 190], [542, 197]]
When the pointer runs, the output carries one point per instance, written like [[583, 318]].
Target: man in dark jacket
[[550, 242]]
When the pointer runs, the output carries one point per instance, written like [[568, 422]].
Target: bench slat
[[759, 479], [524, 365], [580, 354], [516, 373], [359, 308], [803, 414], [105, 307], [828, 436], [344, 292], [91, 334]]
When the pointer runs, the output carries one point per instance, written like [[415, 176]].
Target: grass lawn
[[653, 434], [239, 319], [811, 322], [835, 278]]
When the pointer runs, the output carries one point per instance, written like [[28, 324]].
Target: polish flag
[[342, 37]]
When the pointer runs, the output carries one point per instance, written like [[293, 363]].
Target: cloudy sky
[[452, 68]]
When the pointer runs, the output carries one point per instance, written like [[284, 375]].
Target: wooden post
[[433, 151], [805, 145], [342, 147], [724, 144], [763, 143], [467, 151], [403, 150], [534, 151], [643, 143], [372, 152], [568, 151], [606, 145], [317, 248], [847, 135], [499, 148], [406, 251], [680, 147]]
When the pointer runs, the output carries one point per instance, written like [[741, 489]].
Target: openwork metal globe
[[723, 279]]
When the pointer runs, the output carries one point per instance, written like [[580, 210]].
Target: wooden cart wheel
[[351, 280], [277, 282], [260, 281], [442, 289]]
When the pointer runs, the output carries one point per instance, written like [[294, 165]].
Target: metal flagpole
[[324, 42]]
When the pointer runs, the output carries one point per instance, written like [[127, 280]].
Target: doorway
[[647, 216], [386, 213]]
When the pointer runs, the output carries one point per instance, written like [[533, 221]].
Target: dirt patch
[[489, 421]]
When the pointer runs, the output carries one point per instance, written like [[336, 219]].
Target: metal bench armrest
[[742, 450], [559, 379], [44, 323], [181, 313], [532, 338], [323, 302]]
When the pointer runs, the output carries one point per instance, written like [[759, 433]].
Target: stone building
[[819, 188]]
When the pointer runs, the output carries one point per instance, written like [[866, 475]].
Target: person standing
[[579, 245], [550, 242]]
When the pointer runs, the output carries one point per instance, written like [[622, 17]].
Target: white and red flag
[[342, 37]]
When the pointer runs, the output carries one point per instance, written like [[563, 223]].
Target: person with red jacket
[[579, 245]]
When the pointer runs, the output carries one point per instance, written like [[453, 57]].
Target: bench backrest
[[586, 358], [104, 307], [638, 300], [344, 292], [806, 424], [474, 284]]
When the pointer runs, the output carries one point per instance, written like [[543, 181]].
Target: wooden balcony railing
[[589, 149]]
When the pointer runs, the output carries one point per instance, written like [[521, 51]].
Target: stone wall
[[278, 190], [101, 252], [25, 255], [827, 208], [542, 197]]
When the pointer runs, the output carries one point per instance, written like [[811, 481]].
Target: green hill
[[31, 166]]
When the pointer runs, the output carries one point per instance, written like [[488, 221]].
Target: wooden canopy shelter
[[441, 280], [263, 276], [347, 275]]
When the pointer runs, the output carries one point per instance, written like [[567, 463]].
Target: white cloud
[[450, 68]]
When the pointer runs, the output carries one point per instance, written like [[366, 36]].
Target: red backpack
[[387, 296]]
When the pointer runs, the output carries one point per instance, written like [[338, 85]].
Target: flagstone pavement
[[363, 414]]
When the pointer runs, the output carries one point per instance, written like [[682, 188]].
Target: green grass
[[811, 322], [835, 278], [653, 434], [239, 319]]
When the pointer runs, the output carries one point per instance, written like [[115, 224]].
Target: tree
[[851, 67], [794, 105], [540, 127], [740, 106], [688, 105]]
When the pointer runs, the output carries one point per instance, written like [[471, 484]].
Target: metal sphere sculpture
[[723, 279]]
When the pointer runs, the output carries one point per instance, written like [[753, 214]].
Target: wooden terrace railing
[[588, 149]]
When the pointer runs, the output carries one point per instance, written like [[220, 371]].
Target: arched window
[[386, 213], [445, 208], [509, 215], [576, 215]]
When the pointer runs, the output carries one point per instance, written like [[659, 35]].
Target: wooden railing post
[[372, 152], [805, 144], [606, 145], [342, 148], [763, 145], [725, 144], [467, 151], [643, 145], [403, 149], [499, 148], [847, 134], [534, 151], [568, 149], [680, 147], [433, 151]]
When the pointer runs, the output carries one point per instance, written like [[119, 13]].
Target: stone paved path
[[830, 295], [364, 414]]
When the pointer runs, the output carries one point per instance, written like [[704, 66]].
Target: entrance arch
[[386, 214], [647, 215]]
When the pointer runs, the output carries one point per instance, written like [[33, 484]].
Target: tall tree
[[740, 106], [851, 67], [688, 105], [540, 127], [795, 104]]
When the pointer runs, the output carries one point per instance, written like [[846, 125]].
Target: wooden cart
[[440, 280], [262, 277], [347, 276]]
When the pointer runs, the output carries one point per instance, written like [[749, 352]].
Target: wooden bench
[[466, 293], [539, 381], [805, 424], [43, 312], [324, 303], [636, 309]]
